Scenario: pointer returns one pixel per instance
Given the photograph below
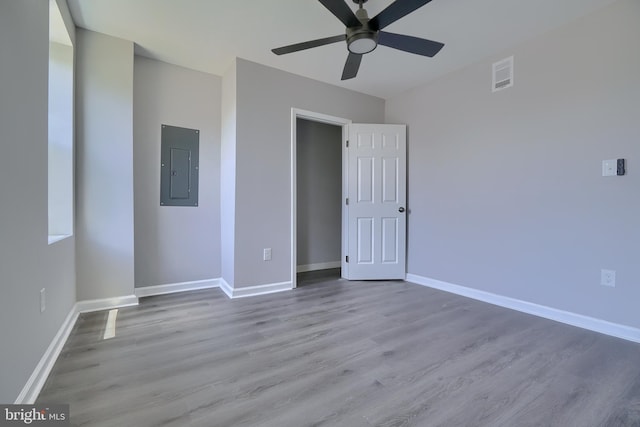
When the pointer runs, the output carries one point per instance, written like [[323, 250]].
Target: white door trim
[[297, 113]]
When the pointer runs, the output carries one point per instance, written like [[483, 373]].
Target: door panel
[[390, 180], [365, 241], [365, 180], [389, 240], [376, 222]]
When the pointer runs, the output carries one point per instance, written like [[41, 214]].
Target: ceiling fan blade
[[395, 11], [308, 45], [409, 43], [342, 11], [351, 66]]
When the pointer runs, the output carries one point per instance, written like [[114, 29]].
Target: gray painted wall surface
[[104, 125], [27, 262], [319, 192], [228, 174], [505, 189], [265, 97], [175, 244]]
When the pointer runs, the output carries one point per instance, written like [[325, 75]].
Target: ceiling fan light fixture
[[361, 43]]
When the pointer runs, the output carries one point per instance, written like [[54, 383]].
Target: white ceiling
[[207, 35]]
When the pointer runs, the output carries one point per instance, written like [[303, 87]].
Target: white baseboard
[[36, 381], [252, 291], [226, 288], [171, 288], [318, 266], [106, 303], [597, 325]]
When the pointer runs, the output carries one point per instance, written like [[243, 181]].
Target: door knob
[[400, 209]]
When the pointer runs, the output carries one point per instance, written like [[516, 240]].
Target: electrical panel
[[179, 166]]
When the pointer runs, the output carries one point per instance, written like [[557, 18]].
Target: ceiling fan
[[363, 35]]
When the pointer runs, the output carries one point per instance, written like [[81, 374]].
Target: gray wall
[[175, 244], [104, 124], [319, 192], [27, 262], [505, 189], [264, 98]]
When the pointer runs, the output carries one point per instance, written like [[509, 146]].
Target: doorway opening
[[318, 190]]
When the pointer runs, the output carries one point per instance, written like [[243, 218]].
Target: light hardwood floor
[[338, 353]]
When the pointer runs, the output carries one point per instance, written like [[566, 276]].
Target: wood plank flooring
[[338, 353]]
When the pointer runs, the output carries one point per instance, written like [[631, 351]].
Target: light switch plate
[[608, 278], [609, 167]]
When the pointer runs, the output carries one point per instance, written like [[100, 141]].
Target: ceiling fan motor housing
[[362, 39]]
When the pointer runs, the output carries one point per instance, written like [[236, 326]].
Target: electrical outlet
[[43, 300], [266, 254], [608, 278], [609, 167]]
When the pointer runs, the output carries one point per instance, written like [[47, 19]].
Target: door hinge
[[347, 143], [347, 258], [347, 201]]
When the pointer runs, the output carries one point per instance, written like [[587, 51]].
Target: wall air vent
[[502, 74]]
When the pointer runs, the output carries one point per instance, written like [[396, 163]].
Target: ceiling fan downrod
[[362, 39]]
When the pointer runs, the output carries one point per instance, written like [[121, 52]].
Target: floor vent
[[502, 74]]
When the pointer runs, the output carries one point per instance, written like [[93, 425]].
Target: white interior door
[[376, 210]]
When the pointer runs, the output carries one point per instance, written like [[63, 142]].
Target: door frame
[[297, 113]]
